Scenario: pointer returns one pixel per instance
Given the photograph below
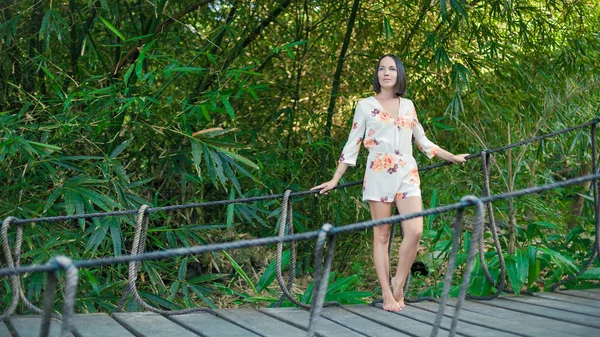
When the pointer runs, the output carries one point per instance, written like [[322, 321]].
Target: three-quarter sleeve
[[423, 143], [357, 133]]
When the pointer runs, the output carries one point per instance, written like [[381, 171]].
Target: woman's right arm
[[350, 151], [337, 175]]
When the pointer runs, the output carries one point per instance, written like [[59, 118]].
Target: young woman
[[387, 123]]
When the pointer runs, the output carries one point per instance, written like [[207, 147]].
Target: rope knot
[[143, 210], [327, 228], [470, 200], [6, 223], [62, 262]]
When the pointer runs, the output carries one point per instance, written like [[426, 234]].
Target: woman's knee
[[413, 231], [381, 236]]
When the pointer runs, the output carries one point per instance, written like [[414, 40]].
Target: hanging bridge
[[573, 312]]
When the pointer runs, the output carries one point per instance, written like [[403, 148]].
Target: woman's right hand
[[325, 187]]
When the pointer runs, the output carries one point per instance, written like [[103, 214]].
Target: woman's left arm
[[428, 147], [447, 156]]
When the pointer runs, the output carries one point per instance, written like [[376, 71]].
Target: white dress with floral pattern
[[391, 171]]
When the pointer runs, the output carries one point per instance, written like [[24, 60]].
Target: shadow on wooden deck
[[568, 313]]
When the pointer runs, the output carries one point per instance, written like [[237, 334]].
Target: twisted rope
[[294, 237], [485, 168], [322, 273], [286, 227], [596, 249], [485, 159], [321, 286], [475, 238], [278, 196], [71, 278], [17, 291], [449, 273], [138, 247], [138, 254]]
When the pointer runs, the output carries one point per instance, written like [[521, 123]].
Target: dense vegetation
[[111, 104]]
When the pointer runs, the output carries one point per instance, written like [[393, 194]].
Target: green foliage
[[110, 105]]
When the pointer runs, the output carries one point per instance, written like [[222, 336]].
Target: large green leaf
[[271, 272], [591, 274], [240, 271], [534, 265], [517, 267]]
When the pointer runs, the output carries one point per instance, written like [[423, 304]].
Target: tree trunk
[[336, 79], [35, 48], [200, 86], [578, 200], [204, 84], [512, 222], [152, 27], [425, 5], [300, 34]]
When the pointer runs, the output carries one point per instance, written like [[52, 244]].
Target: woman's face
[[387, 73]]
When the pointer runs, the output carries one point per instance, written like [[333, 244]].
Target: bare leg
[[412, 230], [381, 240]]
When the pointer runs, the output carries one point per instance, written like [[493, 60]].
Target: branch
[[240, 46], [133, 52]]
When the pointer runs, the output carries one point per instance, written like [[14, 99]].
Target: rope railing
[[286, 235], [292, 195], [326, 234]]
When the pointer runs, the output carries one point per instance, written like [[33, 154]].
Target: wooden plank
[[570, 299], [149, 324], [571, 307], [259, 323], [300, 318], [98, 325], [526, 318], [464, 328], [583, 294], [29, 326], [209, 325], [594, 290], [359, 324], [491, 322], [544, 311], [393, 321], [4, 332]]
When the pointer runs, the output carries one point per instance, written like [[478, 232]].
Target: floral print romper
[[391, 172]]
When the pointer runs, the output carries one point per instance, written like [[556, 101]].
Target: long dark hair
[[400, 87]]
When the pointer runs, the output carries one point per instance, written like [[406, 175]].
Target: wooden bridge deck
[[568, 313]]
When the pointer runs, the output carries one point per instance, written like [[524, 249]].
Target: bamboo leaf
[[225, 101], [188, 70], [117, 236], [444, 10], [182, 269], [113, 28], [240, 271], [204, 299], [93, 281], [239, 158], [52, 198], [117, 151], [196, 152], [270, 273], [230, 208]]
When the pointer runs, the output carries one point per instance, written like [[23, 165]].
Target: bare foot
[[398, 292], [390, 304]]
